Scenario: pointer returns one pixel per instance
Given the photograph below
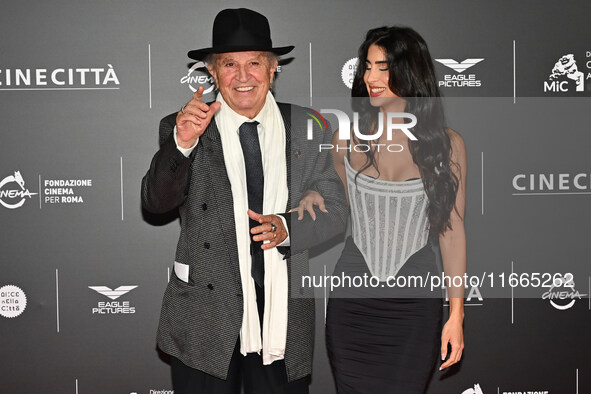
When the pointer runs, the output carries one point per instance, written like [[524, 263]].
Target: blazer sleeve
[[322, 177], [165, 185]]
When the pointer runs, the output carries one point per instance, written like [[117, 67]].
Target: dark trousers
[[248, 370]]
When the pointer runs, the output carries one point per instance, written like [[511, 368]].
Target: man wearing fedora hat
[[234, 312]]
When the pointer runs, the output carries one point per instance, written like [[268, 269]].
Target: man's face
[[243, 79]]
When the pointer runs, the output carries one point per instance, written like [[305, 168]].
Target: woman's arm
[[453, 252]]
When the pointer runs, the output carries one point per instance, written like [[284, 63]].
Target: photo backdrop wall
[[83, 85]]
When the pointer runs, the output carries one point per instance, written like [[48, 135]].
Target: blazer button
[[173, 165], [298, 154], [210, 286], [204, 206], [206, 245]]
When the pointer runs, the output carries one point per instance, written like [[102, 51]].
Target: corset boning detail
[[389, 220]]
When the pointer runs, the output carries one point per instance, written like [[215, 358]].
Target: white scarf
[[272, 141]]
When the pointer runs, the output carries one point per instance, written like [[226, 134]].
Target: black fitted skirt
[[381, 344]]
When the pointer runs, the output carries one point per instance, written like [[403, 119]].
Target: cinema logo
[[473, 390], [64, 191], [344, 132], [539, 184], [13, 193], [113, 307], [199, 76], [459, 79], [566, 75], [59, 78], [563, 295]]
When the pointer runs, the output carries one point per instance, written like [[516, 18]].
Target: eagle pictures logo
[[459, 79], [113, 307]]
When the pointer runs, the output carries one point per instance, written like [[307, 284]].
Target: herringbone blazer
[[200, 320]]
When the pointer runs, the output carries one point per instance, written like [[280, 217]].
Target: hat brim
[[201, 54]]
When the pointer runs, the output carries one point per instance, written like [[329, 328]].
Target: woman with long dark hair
[[407, 201]]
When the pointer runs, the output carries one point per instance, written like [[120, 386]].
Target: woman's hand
[[311, 198], [453, 334]]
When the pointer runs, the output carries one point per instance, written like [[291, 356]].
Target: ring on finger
[[183, 109], [273, 227]]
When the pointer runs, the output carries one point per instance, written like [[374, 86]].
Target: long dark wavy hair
[[412, 77]]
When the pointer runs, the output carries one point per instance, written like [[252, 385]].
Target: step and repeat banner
[[83, 85]]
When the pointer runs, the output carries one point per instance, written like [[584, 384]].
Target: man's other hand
[[265, 232]]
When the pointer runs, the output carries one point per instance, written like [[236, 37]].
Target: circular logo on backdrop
[[198, 76], [13, 301], [348, 72], [562, 294], [13, 192]]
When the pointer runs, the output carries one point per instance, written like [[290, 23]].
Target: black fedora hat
[[237, 30]]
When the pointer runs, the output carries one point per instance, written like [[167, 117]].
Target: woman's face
[[377, 76]]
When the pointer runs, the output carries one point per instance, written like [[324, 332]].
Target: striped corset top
[[389, 220]]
